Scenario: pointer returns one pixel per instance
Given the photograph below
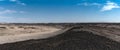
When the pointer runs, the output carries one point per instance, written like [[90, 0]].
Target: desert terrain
[[60, 36], [13, 33]]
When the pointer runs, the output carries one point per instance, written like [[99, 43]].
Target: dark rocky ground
[[70, 40]]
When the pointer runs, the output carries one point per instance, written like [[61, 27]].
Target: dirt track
[[70, 40]]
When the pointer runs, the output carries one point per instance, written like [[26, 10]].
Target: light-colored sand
[[13, 33], [17, 30]]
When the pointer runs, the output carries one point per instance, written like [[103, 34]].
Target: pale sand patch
[[16, 30], [11, 34], [22, 37]]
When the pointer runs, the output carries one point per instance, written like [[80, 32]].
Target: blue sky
[[45, 11]]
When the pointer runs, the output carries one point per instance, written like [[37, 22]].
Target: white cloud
[[11, 12], [89, 4], [8, 12], [18, 2], [109, 6]]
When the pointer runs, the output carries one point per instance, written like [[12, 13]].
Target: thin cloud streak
[[10, 12], [89, 4], [18, 2]]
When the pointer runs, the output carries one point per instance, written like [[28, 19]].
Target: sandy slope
[[16, 30], [14, 33]]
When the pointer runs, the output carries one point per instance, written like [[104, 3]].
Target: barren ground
[[73, 37], [15, 33]]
